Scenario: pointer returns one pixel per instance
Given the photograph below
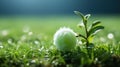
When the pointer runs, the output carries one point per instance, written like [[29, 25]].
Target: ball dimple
[[65, 39]]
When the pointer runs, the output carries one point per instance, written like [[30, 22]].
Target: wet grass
[[28, 42]]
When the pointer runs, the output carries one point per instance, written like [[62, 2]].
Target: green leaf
[[87, 16], [79, 14], [96, 23], [90, 38], [95, 30]]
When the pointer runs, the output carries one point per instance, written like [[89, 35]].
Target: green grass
[[26, 49]]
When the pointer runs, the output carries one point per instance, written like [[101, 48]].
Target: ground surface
[[28, 41]]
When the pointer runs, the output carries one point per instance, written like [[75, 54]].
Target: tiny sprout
[[93, 28], [65, 39], [90, 31]]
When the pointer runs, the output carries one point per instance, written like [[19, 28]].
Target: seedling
[[90, 31]]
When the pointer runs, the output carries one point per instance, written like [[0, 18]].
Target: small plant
[[90, 31]]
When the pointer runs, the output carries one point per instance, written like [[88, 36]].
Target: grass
[[28, 42]]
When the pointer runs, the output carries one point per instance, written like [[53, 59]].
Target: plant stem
[[81, 36], [87, 42], [86, 30]]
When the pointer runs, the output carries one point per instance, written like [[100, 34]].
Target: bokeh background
[[46, 16], [50, 7]]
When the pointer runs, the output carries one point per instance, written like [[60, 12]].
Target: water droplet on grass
[[30, 33], [1, 46], [24, 56], [55, 62], [4, 32], [33, 61], [41, 48], [9, 41], [80, 42], [27, 64], [36, 42], [110, 36], [41, 62]]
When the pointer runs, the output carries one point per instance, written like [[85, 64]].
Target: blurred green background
[[46, 16]]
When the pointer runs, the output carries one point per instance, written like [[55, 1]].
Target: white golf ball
[[65, 39]]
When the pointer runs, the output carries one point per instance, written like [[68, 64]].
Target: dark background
[[48, 7]]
